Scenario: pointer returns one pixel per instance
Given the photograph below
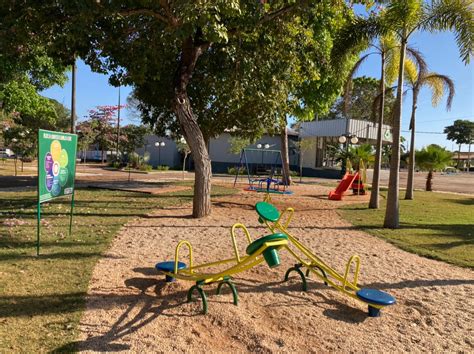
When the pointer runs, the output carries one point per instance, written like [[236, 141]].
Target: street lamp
[[263, 147], [159, 145], [347, 139]]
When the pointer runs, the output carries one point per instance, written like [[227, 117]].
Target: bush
[[145, 167], [294, 173], [233, 170], [115, 164], [162, 168]]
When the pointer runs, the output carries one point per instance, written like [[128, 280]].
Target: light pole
[[159, 145], [14, 140], [263, 147], [347, 139]]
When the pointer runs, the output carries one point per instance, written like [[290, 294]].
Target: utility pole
[[73, 98], [118, 126]]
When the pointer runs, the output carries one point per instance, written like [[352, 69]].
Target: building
[[222, 158], [460, 160], [318, 161]]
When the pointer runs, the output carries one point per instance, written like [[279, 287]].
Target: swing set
[[264, 169]]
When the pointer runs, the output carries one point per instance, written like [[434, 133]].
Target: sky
[[440, 52]]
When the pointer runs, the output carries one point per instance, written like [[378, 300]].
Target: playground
[[131, 307]]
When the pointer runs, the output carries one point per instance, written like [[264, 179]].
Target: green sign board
[[56, 164]]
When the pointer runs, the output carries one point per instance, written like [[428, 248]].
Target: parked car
[[6, 153]]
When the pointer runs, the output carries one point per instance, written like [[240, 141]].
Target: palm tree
[[385, 49], [432, 158], [439, 84], [406, 17]]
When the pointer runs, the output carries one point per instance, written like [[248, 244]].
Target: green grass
[[7, 168], [41, 298], [433, 225]]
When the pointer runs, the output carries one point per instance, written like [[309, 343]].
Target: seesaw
[[375, 299], [264, 248]]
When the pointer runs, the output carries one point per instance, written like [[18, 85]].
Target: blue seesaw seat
[[375, 297], [169, 267]]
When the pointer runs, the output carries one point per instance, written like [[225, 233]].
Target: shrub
[[233, 170], [145, 167], [162, 168]]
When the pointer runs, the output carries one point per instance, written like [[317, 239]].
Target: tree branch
[[151, 13]]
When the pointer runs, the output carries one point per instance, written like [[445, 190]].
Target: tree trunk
[[429, 183], [374, 194], [392, 217], [411, 158], [459, 157], [285, 157], [182, 108], [202, 163], [469, 158]]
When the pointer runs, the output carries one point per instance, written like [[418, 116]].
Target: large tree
[[164, 47], [461, 132]]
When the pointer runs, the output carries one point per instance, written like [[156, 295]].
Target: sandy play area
[[131, 308]]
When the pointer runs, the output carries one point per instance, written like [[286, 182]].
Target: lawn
[[7, 167], [434, 225], [41, 298]]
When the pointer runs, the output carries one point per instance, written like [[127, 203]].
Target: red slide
[[343, 186]]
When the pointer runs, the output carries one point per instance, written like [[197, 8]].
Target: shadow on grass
[[59, 255], [465, 201]]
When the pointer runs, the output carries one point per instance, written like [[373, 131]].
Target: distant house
[[460, 160], [318, 161]]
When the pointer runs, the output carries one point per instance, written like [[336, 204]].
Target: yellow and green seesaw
[[266, 249]]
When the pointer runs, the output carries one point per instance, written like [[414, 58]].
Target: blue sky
[[440, 53]]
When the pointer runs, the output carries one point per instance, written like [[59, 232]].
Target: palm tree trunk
[[392, 217], [429, 183], [411, 158], [285, 156], [374, 194]]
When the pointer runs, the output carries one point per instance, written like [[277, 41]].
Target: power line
[[417, 132], [441, 120]]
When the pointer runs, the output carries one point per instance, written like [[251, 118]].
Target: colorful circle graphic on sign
[[63, 158], [48, 162], [49, 180], [56, 150], [56, 168], [56, 187], [63, 174]]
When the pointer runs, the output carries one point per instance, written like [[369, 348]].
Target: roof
[[337, 127]]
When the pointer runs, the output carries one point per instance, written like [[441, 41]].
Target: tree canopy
[[199, 67], [461, 131], [363, 94]]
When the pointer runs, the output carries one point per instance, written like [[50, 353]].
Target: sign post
[[56, 170]]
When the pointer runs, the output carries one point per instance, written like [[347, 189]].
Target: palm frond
[[439, 85], [348, 84], [454, 15], [355, 36], [411, 72], [420, 62]]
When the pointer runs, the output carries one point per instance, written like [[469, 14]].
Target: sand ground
[[131, 308]]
